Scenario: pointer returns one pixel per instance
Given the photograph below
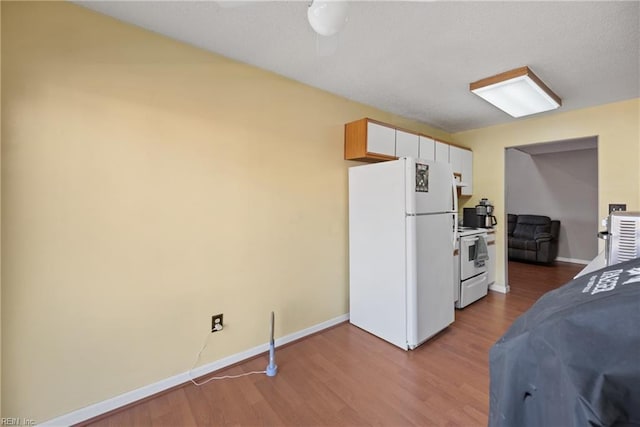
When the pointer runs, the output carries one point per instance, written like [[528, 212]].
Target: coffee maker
[[485, 211], [481, 216]]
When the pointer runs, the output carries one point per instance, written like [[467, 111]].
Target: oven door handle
[[469, 239]]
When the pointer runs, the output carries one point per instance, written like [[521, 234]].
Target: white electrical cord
[[195, 362]]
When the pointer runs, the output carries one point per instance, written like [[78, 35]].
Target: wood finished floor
[[345, 376]]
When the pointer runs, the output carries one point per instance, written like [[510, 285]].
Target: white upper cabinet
[[462, 162], [442, 152], [381, 139], [467, 172], [406, 144], [455, 158], [427, 148], [369, 140]]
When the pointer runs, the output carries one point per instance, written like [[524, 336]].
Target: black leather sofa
[[532, 238]]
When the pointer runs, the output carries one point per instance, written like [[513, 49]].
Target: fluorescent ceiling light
[[517, 92]]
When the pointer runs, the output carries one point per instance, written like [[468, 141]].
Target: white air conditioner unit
[[624, 237]]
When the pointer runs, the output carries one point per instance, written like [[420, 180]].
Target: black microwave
[[471, 219]]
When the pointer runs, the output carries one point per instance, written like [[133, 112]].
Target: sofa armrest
[[555, 229], [547, 250], [543, 237]]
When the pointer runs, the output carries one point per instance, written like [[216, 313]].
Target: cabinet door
[[381, 139], [427, 148], [455, 158], [442, 152], [491, 264], [406, 144], [467, 172]]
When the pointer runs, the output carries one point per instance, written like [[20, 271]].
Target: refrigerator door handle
[[455, 230], [454, 194]]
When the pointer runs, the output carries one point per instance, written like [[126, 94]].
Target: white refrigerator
[[402, 232]]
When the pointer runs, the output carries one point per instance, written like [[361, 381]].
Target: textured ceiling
[[416, 59]]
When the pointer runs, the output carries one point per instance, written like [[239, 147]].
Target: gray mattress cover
[[573, 359]]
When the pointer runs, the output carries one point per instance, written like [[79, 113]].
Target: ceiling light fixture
[[517, 92], [327, 17]]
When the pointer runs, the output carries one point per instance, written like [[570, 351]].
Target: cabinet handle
[[491, 243]]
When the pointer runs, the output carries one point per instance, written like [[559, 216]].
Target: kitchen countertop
[[470, 231]]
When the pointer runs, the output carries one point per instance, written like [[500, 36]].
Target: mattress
[[573, 359]]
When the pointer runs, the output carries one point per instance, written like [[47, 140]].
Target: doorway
[[558, 179]]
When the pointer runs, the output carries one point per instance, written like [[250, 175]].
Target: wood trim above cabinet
[[406, 130], [355, 141], [453, 144]]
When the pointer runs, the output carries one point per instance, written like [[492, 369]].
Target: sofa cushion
[[533, 219], [524, 244], [530, 226]]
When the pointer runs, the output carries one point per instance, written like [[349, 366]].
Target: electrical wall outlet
[[617, 207], [216, 323]]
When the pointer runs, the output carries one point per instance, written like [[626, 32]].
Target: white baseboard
[[151, 389], [497, 287], [573, 260]]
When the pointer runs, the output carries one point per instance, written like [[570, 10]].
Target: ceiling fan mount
[[327, 17]]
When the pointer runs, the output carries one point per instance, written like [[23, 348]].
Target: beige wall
[[617, 127], [0, 219], [148, 185]]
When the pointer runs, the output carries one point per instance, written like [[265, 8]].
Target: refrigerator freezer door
[[377, 250], [430, 186], [430, 305]]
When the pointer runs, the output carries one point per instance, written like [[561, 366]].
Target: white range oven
[[473, 278]]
